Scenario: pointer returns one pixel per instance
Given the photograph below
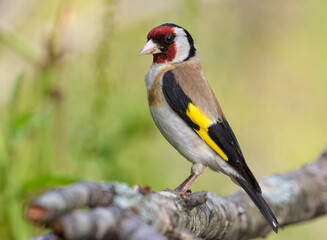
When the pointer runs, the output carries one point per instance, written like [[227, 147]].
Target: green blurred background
[[73, 101]]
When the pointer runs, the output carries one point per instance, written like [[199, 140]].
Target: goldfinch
[[188, 115]]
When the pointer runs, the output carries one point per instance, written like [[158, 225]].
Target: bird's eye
[[169, 38]]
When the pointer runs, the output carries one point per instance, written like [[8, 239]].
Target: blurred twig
[[143, 214], [56, 47], [103, 80], [103, 76]]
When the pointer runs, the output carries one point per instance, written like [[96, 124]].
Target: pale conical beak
[[150, 48]]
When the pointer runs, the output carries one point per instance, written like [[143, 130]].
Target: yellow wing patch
[[203, 122]]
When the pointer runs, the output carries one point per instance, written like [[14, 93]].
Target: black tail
[[260, 203]]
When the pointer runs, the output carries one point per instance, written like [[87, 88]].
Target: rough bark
[[115, 211]]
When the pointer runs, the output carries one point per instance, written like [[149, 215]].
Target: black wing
[[222, 134]]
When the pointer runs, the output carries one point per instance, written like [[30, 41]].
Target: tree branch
[[116, 211]]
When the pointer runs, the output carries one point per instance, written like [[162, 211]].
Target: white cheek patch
[[182, 45]]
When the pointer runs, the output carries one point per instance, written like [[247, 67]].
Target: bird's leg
[[186, 184], [197, 169]]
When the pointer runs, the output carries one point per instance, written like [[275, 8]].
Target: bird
[[187, 113]]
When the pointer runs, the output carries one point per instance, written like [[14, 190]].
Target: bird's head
[[169, 43]]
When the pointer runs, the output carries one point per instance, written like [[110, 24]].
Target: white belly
[[181, 136]]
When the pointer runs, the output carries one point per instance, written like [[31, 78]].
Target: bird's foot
[[181, 192], [191, 199]]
